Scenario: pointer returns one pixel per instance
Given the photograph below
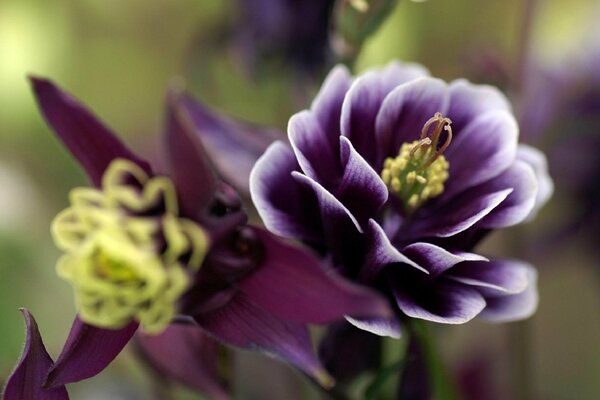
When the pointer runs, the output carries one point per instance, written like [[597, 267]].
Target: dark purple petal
[[90, 142], [313, 149], [405, 111], [361, 189], [462, 213], [243, 324], [27, 380], [87, 351], [234, 146], [482, 150], [514, 307], [286, 207], [519, 204], [363, 101], [440, 301], [537, 160], [347, 352], [467, 101], [190, 169], [186, 354], [292, 284], [496, 277], [327, 105], [389, 327], [435, 259], [382, 253]]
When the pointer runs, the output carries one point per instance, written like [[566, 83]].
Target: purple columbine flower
[[145, 249], [395, 176]]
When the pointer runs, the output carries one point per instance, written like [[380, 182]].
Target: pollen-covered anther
[[128, 254], [419, 171]]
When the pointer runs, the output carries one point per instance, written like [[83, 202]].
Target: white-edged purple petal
[[363, 101], [327, 105], [482, 150], [243, 324], [285, 207], [27, 380], [518, 205], [382, 253], [436, 260], [361, 189], [405, 111], [440, 301], [537, 160], [292, 284], [496, 277], [313, 150], [387, 327], [514, 307], [468, 101], [460, 214]]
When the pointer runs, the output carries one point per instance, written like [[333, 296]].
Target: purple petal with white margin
[[439, 301], [361, 189], [327, 105], [404, 112], [435, 259], [234, 145], [27, 380], [389, 327], [460, 214], [87, 351], [313, 149], [514, 307], [493, 278], [190, 169], [186, 354], [286, 207], [292, 284], [243, 324], [363, 101], [537, 160], [382, 253], [484, 149], [467, 101], [518, 205], [88, 140]]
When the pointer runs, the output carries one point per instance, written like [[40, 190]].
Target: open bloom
[[396, 176], [144, 249]]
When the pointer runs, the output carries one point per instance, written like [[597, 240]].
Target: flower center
[[419, 171], [128, 254]]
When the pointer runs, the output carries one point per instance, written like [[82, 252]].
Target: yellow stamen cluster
[[126, 260], [419, 171]]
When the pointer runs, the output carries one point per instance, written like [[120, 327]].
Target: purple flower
[[144, 249], [395, 176]]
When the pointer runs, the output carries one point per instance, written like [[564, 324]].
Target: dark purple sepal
[[234, 145], [90, 142], [435, 259], [292, 284], [242, 323], [27, 380], [189, 166], [185, 353], [87, 351]]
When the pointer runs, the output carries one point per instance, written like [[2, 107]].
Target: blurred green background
[[119, 56]]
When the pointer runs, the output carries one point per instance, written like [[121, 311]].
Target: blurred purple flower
[[396, 176], [295, 31], [253, 291]]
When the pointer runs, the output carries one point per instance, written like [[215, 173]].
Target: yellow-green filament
[[116, 264], [419, 171]]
